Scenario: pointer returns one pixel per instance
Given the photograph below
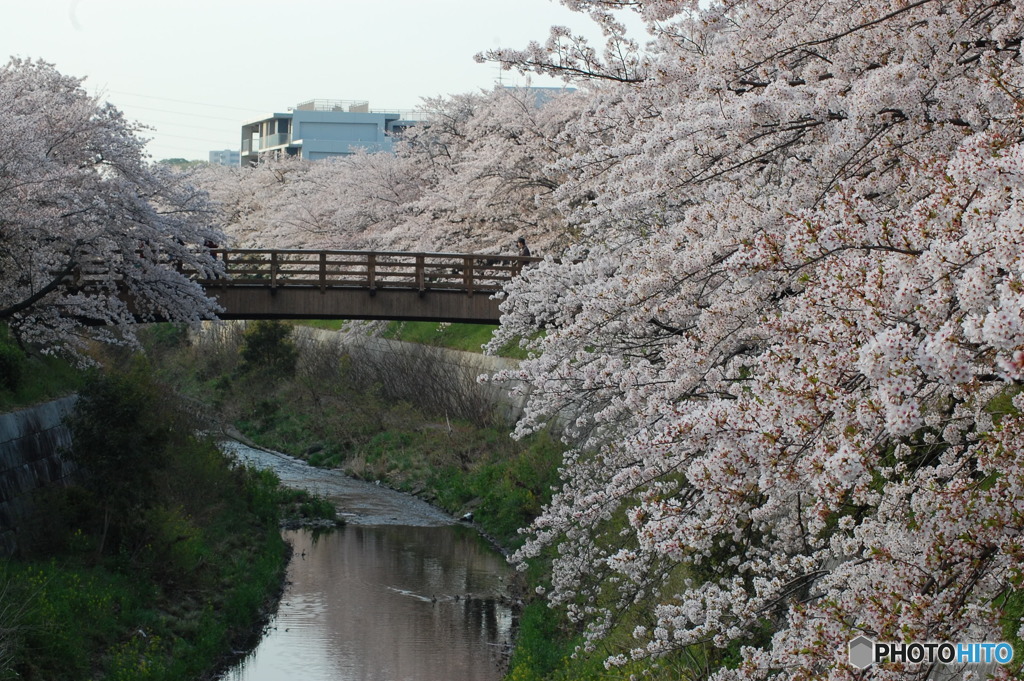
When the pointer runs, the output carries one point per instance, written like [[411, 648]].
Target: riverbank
[[461, 461], [165, 569], [418, 423]]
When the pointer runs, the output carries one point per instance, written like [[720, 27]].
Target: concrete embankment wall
[[31, 441]]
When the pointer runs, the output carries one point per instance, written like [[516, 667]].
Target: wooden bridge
[[302, 284]]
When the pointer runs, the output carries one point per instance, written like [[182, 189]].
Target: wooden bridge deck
[[303, 284]]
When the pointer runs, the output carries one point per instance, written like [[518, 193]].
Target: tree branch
[[58, 279]]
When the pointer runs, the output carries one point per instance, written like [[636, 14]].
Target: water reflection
[[387, 603]]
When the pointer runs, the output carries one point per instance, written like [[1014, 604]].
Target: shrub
[[121, 428], [12, 362], [268, 348]]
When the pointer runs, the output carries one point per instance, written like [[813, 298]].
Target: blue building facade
[[323, 128]]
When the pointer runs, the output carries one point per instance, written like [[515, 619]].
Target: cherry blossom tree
[[788, 346], [355, 202], [91, 236], [478, 174], [489, 168], [255, 206]]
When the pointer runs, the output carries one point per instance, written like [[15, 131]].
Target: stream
[[403, 592]]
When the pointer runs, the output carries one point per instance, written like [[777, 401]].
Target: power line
[[164, 137], [183, 101], [159, 125], [183, 113], [192, 139]]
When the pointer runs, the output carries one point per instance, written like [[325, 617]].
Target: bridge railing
[[372, 270]]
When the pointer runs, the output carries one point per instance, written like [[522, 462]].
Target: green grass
[[47, 378], [66, 609], [300, 504], [465, 337], [160, 587], [169, 609], [542, 646], [328, 324], [505, 486], [27, 379]]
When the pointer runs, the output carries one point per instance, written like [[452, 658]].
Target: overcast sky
[[194, 70]]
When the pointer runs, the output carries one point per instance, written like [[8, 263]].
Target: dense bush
[[122, 429]]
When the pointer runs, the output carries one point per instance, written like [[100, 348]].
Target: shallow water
[[358, 502], [382, 600]]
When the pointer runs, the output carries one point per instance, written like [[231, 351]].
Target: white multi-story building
[[324, 128]]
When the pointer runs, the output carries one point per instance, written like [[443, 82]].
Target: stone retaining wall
[[30, 444]]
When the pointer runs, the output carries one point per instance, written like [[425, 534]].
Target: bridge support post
[[371, 272], [323, 271], [467, 274]]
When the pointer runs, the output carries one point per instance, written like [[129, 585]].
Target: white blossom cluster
[[789, 346], [92, 237]]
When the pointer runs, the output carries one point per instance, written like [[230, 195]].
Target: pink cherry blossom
[[87, 224], [778, 347]]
